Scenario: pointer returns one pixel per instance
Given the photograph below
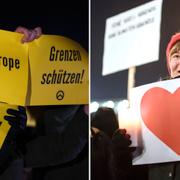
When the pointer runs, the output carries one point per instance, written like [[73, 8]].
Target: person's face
[[175, 64]]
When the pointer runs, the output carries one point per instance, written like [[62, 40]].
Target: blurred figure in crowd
[[120, 154], [102, 159]]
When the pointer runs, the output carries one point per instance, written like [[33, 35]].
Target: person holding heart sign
[[169, 171]]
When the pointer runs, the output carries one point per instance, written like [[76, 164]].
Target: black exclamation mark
[[82, 74]]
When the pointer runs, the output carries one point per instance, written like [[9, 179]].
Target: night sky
[[68, 19]]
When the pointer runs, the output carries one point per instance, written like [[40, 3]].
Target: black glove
[[13, 146], [16, 135], [122, 139], [17, 118], [122, 151]]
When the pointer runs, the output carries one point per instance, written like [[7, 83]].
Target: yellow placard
[[13, 68], [59, 71], [51, 70], [4, 125]]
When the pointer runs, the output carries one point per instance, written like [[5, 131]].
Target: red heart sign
[[160, 111]]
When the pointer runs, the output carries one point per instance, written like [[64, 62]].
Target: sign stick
[[131, 81]]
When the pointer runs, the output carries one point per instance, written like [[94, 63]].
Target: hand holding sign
[[29, 35]]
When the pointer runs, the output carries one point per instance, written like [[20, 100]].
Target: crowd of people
[[111, 153]]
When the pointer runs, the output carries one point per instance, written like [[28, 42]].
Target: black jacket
[[61, 148]]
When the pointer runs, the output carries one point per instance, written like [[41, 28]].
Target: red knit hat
[[174, 39]]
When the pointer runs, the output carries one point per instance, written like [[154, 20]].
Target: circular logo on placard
[[60, 95]]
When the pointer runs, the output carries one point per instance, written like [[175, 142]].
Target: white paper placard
[[132, 38], [160, 141]]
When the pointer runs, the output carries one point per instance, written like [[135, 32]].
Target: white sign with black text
[[132, 38]]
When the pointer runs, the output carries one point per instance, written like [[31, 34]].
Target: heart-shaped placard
[[160, 111]]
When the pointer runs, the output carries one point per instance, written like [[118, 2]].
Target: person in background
[[105, 119], [59, 147], [102, 159]]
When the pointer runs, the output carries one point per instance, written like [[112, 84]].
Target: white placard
[[132, 37], [159, 135]]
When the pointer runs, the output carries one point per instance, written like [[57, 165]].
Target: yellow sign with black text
[[59, 71], [50, 70], [13, 68]]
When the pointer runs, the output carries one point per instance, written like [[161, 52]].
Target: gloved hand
[[13, 146], [122, 151], [17, 118], [122, 139]]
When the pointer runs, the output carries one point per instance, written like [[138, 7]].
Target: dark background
[[114, 86], [65, 18]]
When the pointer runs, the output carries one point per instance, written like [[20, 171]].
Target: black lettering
[[75, 55], [61, 55], [59, 77], [5, 61], [66, 57], [54, 76], [51, 56], [67, 78], [11, 64], [17, 63], [70, 55], [44, 78], [62, 77], [57, 52], [72, 78], [79, 55], [48, 81], [77, 80]]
